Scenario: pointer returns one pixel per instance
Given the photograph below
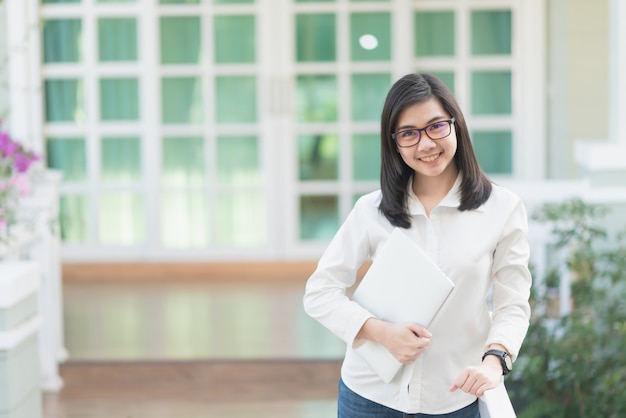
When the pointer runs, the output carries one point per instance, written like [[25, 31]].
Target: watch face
[[508, 361]]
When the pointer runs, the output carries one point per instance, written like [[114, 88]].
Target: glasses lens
[[408, 137], [438, 130]]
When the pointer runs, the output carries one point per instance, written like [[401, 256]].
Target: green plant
[[575, 366]]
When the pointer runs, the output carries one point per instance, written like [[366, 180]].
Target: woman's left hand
[[477, 379]]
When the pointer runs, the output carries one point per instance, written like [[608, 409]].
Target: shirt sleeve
[[512, 281], [325, 296]]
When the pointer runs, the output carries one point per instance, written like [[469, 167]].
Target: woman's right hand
[[406, 341]]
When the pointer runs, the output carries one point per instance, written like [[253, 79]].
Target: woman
[[475, 231]]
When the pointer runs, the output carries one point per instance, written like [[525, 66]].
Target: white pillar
[[617, 71]]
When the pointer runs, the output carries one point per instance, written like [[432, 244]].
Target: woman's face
[[428, 158]]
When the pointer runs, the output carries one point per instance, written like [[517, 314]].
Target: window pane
[[179, 1], [64, 100], [121, 160], [315, 37], [117, 1], [491, 32], [366, 156], [117, 39], [234, 39], [236, 99], [434, 34], [60, 1], [122, 219], [232, 1], [184, 220], [494, 151], [183, 162], [241, 219], [62, 40], [119, 99], [182, 100], [316, 98], [447, 77], [368, 95], [180, 40], [318, 157], [319, 217], [491, 92], [74, 218], [370, 36], [238, 160], [69, 156]]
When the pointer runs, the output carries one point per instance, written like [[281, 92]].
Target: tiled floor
[[187, 348]]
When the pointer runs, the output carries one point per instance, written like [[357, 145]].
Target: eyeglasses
[[409, 137]]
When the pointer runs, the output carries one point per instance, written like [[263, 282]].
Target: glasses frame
[[424, 129]]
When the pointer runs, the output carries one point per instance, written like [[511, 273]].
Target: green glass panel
[[122, 219], [117, 1], [69, 156], [236, 99], [315, 37], [434, 34], [318, 157], [241, 219], [119, 99], [74, 218], [180, 40], [316, 98], [234, 39], [183, 162], [184, 220], [366, 156], [368, 95], [232, 1], [121, 160], [447, 77], [494, 151], [60, 1], [62, 40], [179, 1], [64, 100], [319, 217], [315, 1], [370, 36], [238, 160], [117, 39], [491, 93], [491, 32], [181, 100]]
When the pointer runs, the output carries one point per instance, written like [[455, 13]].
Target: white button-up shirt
[[476, 249]]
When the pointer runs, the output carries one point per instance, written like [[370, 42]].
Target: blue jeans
[[352, 405]]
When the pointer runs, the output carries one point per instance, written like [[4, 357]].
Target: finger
[[420, 330]]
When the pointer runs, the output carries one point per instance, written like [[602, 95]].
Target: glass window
[[434, 34], [366, 156], [121, 160], [491, 92], [60, 1], [491, 32], [236, 99], [117, 39], [122, 219], [494, 151], [184, 219], [370, 36], [447, 77], [315, 37], [368, 95], [180, 40], [319, 217], [232, 1], [181, 100], [316, 98], [119, 99], [241, 219], [64, 100], [183, 162], [318, 157], [179, 1], [62, 40], [117, 1], [74, 218], [69, 156], [238, 160], [234, 39]]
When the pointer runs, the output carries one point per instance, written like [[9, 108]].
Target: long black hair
[[395, 174]]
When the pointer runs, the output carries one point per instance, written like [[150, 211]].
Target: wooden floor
[[186, 342]]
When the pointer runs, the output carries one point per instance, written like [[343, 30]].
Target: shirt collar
[[451, 200]]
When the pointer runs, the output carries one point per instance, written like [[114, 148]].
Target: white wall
[[4, 93]]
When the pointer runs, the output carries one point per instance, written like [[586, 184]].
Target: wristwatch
[[505, 360]]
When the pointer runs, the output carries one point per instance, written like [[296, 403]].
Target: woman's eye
[[436, 126], [407, 134]]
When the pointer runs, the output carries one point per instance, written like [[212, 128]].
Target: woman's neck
[[431, 190]]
